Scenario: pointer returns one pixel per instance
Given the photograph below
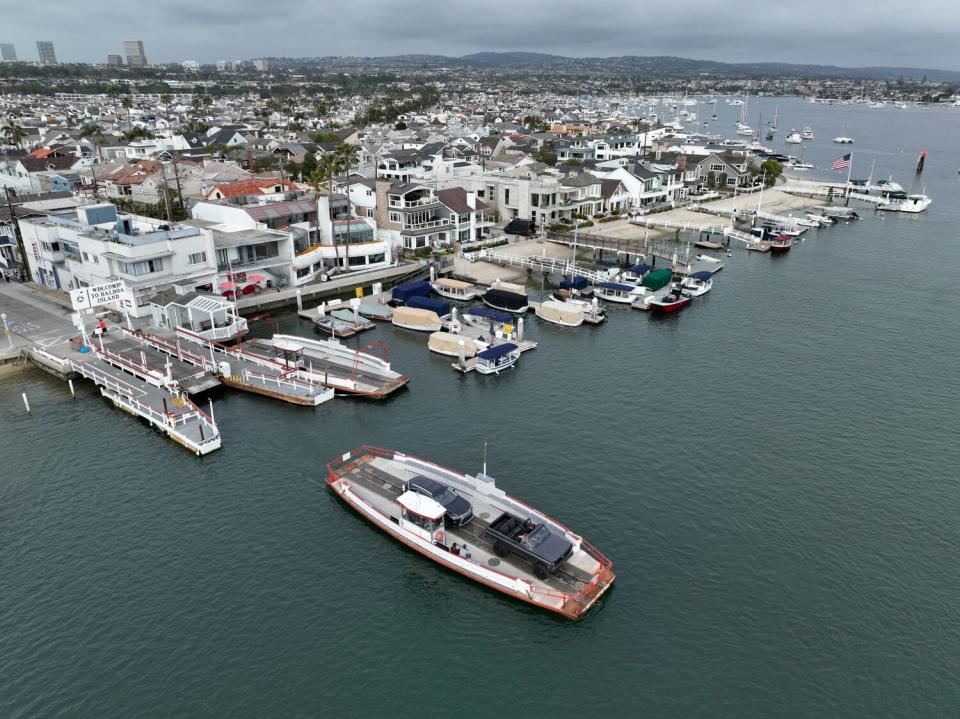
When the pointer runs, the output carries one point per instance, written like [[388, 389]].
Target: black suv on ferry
[[459, 510]]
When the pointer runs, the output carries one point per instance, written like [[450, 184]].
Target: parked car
[[459, 510]]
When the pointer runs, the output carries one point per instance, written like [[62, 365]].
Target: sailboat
[[742, 127], [773, 123]]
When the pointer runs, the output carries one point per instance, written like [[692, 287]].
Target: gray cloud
[[843, 32]]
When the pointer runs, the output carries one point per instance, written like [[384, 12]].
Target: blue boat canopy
[[641, 268], [480, 311], [574, 283], [420, 288], [428, 303], [619, 286], [703, 275], [606, 263], [495, 353]]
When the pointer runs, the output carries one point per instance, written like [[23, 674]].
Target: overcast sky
[[921, 33]]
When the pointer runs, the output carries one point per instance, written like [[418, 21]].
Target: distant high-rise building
[[261, 65], [114, 60], [46, 52], [8, 53], [133, 49]]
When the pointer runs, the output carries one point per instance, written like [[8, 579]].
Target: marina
[[786, 531]]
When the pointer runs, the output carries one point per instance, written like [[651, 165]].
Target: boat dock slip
[[135, 390], [374, 483], [241, 370], [337, 366]]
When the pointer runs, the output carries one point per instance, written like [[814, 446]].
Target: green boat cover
[[656, 279]]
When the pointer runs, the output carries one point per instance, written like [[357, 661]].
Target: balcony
[[227, 331], [410, 204], [414, 227], [243, 264]]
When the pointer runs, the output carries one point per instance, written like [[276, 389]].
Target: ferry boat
[[496, 358], [376, 483], [454, 289]]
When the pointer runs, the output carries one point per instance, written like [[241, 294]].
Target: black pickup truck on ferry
[[529, 540]]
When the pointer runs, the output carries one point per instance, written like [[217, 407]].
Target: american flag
[[841, 163]]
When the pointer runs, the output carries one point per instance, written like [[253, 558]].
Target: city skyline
[[739, 31]]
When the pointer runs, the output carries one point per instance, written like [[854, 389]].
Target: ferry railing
[[281, 382], [174, 349]]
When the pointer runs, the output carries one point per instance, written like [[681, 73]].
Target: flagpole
[[850, 167]]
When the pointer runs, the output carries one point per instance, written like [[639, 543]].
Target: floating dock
[[137, 389]]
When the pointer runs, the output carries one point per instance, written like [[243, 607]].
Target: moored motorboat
[[414, 318], [377, 484], [454, 345], [454, 289], [673, 301], [911, 203], [507, 297], [496, 358], [568, 314], [843, 140], [577, 285], [780, 244], [620, 292], [807, 133], [793, 138], [697, 284], [440, 307]]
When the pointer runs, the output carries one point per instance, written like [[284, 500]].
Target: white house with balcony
[[95, 244]]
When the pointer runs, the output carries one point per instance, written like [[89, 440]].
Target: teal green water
[[773, 474]]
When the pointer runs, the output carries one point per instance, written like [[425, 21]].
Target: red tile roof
[[256, 186]]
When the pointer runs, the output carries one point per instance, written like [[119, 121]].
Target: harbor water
[[773, 473]]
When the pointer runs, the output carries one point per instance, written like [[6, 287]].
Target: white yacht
[[911, 203], [793, 138], [843, 140], [697, 284], [807, 133]]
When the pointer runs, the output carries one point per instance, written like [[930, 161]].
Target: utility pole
[[16, 231], [166, 192]]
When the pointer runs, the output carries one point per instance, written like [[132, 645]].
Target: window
[[369, 212], [198, 258], [373, 259], [303, 272], [506, 196], [141, 268], [716, 167], [395, 217], [360, 260], [535, 200]]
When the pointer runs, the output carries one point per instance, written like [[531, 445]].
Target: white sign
[[97, 295]]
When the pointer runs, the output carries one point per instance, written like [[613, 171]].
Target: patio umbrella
[[228, 286], [255, 278]]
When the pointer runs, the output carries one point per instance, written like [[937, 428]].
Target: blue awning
[[702, 275], [489, 313], [574, 283], [641, 268], [403, 292], [495, 353], [428, 303], [617, 286]]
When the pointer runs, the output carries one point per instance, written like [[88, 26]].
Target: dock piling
[[25, 402], [299, 300], [212, 420], [72, 393]]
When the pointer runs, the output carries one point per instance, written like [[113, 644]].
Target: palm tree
[[165, 99], [14, 133], [127, 103], [347, 155]]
